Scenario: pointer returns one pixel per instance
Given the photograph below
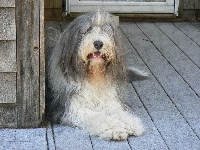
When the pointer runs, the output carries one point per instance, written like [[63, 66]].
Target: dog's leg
[[107, 127], [109, 123], [116, 126], [133, 123]]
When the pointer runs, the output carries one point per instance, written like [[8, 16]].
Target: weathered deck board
[[183, 65], [178, 91], [196, 24], [100, 144], [190, 48], [23, 139], [189, 30], [146, 141], [70, 138], [167, 118], [151, 139]]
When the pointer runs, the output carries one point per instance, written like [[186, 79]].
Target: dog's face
[[98, 45]]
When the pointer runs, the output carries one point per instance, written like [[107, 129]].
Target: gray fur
[[66, 71]]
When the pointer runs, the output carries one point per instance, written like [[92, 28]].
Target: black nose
[[98, 45]]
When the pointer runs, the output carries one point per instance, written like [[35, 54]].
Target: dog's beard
[[96, 70]]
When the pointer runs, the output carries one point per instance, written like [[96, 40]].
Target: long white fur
[[99, 111], [93, 102]]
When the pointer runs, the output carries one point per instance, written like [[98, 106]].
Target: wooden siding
[[7, 40], [22, 63], [7, 24], [7, 3], [8, 56], [8, 88], [8, 115]]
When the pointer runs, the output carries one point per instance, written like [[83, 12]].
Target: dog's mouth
[[96, 55]]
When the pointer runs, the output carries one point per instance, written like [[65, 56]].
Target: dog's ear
[[134, 74]]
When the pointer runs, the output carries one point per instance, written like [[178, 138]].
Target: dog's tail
[[134, 74]]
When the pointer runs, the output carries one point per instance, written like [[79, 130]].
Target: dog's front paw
[[134, 125], [114, 133], [137, 130]]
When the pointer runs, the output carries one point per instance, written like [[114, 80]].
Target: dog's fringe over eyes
[[87, 77]]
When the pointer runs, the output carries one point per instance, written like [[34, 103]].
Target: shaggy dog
[[87, 78]]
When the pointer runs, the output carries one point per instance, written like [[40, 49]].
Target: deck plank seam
[[171, 99], [188, 84], [129, 143], [140, 97], [53, 134], [162, 87], [170, 62], [185, 33], [196, 26], [91, 142], [47, 139], [178, 47], [149, 113]]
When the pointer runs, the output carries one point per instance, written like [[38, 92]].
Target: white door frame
[[168, 7]]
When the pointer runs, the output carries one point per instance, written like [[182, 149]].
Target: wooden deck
[[168, 103]]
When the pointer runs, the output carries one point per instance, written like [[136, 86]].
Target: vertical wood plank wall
[[30, 73]]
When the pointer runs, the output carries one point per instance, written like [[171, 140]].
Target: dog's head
[[92, 44], [98, 44]]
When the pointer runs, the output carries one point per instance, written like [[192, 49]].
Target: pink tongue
[[97, 55]]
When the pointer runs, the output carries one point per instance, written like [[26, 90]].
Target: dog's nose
[[98, 45]]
